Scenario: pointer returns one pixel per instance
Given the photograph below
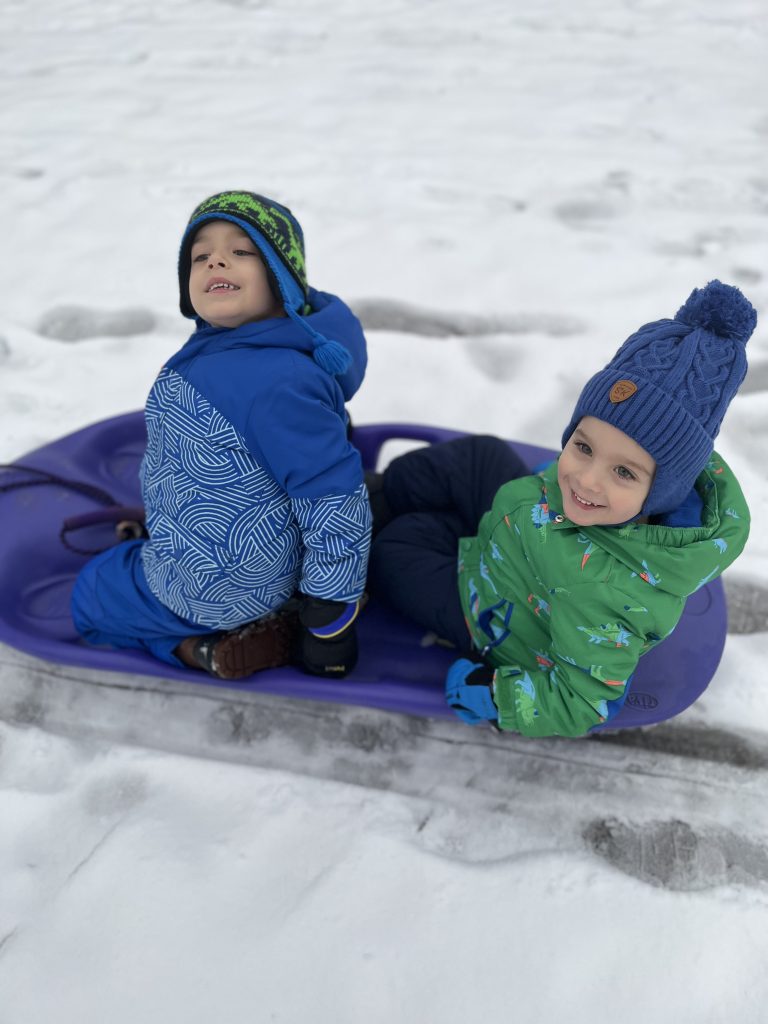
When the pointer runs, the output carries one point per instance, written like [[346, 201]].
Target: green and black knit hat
[[273, 230]]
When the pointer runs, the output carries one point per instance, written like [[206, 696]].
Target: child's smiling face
[[228, 283], [603, 474]]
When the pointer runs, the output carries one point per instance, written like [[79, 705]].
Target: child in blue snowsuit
[[257, 518]]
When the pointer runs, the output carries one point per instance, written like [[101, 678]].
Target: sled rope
[[111, 513]]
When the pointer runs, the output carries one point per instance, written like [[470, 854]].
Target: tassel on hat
[[332, 357], [328, 354]]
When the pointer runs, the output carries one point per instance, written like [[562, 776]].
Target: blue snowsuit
[[251, 487]]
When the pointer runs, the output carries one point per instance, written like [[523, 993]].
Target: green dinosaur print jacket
[[564, 612]]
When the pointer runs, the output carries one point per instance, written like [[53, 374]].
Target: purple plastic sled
[[397, 670]]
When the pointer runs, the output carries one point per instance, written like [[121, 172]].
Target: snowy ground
[[505, 191]]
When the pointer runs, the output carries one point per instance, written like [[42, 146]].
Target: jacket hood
[[330, 334], [676, 559]]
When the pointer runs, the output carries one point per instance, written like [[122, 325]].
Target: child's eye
[[244, 252], [583, 447], [201, 257], [625, 474]]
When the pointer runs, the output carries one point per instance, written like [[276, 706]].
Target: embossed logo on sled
[[622, 390], [642, 701]]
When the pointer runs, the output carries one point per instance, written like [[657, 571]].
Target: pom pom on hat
[[720, 309]]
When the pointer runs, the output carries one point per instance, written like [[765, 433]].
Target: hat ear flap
[[185, 264], [274, 287]]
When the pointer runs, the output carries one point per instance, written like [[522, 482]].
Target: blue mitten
[[468, 691]]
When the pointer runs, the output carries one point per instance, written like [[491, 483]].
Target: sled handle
[[369, 440], [128, 521]]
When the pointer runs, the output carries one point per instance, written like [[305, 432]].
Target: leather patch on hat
[[622, 390]]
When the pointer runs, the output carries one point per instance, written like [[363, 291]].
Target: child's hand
[[468, 691], [327, 643]]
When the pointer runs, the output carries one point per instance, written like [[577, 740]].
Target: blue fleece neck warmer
[[669, 385]]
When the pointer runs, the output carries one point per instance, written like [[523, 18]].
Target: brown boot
[[266, 643]]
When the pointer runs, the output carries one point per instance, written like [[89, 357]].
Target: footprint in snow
[[673, 855], [699, 245], [401, 317], [747, 275], [747, 605], [756, 379], [602, 202], [115, 794], [75, 323], [585, 214]]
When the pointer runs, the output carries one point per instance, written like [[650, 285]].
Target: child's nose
[[589, 480]]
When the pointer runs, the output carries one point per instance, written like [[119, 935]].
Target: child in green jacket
[[567, 578]]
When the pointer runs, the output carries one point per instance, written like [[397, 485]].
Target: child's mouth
[[582, 502], [222, 286]]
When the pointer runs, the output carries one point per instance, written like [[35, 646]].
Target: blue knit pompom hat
[[277, 235], [669, 385]]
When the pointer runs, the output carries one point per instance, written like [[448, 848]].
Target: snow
[[545, 178]]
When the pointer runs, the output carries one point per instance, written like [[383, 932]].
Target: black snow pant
[[436, 495]]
